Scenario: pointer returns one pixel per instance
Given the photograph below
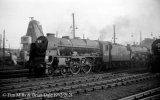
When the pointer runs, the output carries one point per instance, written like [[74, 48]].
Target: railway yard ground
[[119, 92], [113, 84]]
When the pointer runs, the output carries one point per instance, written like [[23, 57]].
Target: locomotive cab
[[105, 47]]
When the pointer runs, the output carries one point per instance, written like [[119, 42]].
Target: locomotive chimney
[[32, 18], [50, 35]]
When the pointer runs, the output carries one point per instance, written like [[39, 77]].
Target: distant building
[[147, 42]]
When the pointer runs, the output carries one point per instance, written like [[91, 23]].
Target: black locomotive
[[155, 56], [52, 55]]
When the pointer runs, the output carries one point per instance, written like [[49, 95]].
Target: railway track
[[13, 71], [17, 78], [23, 80], [11, 67], [74, 87], [46, 80], [153, 94]]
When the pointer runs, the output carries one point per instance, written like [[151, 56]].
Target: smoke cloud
[[146, 19]]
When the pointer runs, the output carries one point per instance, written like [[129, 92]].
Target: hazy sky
[[94, 18]]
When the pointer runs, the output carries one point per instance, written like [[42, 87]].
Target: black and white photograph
[[79, 49]]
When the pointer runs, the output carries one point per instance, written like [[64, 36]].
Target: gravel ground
[[118, 92]]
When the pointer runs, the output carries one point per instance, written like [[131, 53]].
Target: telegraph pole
[[57, 34], [73, 26], [9, 48], [151, 35], [114, 35], [140, 38], [3, 46]]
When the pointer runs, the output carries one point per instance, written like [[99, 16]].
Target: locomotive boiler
[[71, 55]]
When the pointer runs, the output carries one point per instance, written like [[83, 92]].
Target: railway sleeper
[[74, 86], [59, 89], [97, 88], [91, 84], [47, 91], [88, 89], [84, 85], [80, 91], [104, 86], [66, 88], [119, 83], [69, 83]]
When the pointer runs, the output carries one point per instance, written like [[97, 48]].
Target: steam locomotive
[[155, 56], [50, 55]]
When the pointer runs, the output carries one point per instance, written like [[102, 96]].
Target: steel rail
[[144, 95]]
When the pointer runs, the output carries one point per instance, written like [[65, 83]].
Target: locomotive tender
[[50, 55]]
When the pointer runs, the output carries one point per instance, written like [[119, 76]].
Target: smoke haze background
[[94, 18]]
